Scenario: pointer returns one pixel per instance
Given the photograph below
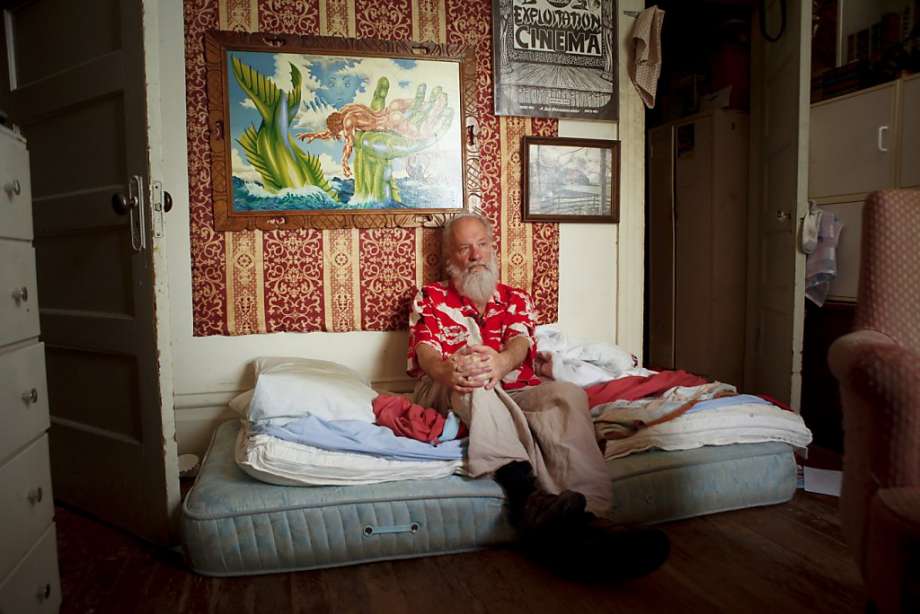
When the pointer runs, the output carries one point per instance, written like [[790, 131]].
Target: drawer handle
[[21, 295], [30, 396], [35, 496], [13, 188], [43, 593]]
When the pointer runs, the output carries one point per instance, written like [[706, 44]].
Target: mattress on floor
[[235, 525]]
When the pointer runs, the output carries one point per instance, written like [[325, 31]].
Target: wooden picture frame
[[570, 180], [328, 132]]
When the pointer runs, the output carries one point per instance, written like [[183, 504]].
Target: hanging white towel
[[645, 67], [821, 264]]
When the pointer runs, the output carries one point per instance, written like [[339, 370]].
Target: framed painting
[[570, 180], [328, 132]]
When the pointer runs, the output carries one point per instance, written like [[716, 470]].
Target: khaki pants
[[548, 425]]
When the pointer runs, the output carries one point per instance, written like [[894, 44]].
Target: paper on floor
[[823, 481]]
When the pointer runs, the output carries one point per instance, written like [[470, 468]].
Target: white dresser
[[29, 578]]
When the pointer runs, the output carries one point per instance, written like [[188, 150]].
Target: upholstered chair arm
[[880, 394], [883, 378]]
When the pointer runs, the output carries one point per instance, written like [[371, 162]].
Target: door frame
[[154, 44], [756, 182]]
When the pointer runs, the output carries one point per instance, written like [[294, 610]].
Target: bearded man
[[472, 347]]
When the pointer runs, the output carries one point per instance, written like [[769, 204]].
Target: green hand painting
[[280, 162], [381, 133]]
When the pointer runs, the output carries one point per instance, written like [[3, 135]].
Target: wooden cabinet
[[862, 142], [909, 133], [852, 143], [29, 580], [865, 141], [697, 247]]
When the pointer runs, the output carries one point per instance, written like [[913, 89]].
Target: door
[[693, 186], [661, 249], [75, 84], [779, 187]]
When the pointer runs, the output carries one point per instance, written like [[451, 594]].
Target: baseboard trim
[[194, 426]]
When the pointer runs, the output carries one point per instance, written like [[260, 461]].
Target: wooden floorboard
[[785, 558]]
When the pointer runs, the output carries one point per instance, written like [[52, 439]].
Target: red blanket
[[635, 387], [410, 420]]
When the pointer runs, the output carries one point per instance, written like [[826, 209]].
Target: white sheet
[[582, 362], [745, 423], [285, 463]]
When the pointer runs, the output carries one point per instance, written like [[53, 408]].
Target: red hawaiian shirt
[[447, 321]]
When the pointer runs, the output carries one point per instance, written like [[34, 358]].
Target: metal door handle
[[882, 132], [782, 216], [30, 396], [13, 188], [133, 205], [122, 204], [21, 295], [36, 495]]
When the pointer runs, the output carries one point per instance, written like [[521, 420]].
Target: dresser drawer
[[23, 397], [18, 297], [15, 190], [26, 508], [34, 586]]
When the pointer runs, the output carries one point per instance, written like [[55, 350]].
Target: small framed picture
[[570, 180]]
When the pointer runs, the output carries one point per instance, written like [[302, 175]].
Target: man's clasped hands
[[477, 366]]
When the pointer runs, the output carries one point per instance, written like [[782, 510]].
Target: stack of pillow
[[311, 422]]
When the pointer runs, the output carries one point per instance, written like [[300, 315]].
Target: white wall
[[595, 261]]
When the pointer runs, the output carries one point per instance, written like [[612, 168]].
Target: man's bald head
[[469, 258], [449, 238]]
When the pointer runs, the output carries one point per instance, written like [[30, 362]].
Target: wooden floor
[[781, 559]]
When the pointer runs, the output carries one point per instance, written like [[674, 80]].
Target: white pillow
[[295, 387]]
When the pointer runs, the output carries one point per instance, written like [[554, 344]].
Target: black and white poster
[[555, 58]]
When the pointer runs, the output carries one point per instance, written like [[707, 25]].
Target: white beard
[[477, 285]]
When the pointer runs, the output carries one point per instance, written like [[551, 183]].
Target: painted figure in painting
[[270, 148], [378, 134]]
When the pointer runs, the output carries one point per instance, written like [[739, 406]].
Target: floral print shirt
[[447, 321]]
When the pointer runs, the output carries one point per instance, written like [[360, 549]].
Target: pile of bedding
[[637, 409], [312, 422]]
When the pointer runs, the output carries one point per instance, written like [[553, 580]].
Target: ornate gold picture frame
[[327, 132]]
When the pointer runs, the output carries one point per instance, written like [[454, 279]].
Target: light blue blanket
[[360, 437]]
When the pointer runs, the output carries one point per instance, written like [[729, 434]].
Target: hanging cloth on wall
[[821, 264], [645, 63]]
